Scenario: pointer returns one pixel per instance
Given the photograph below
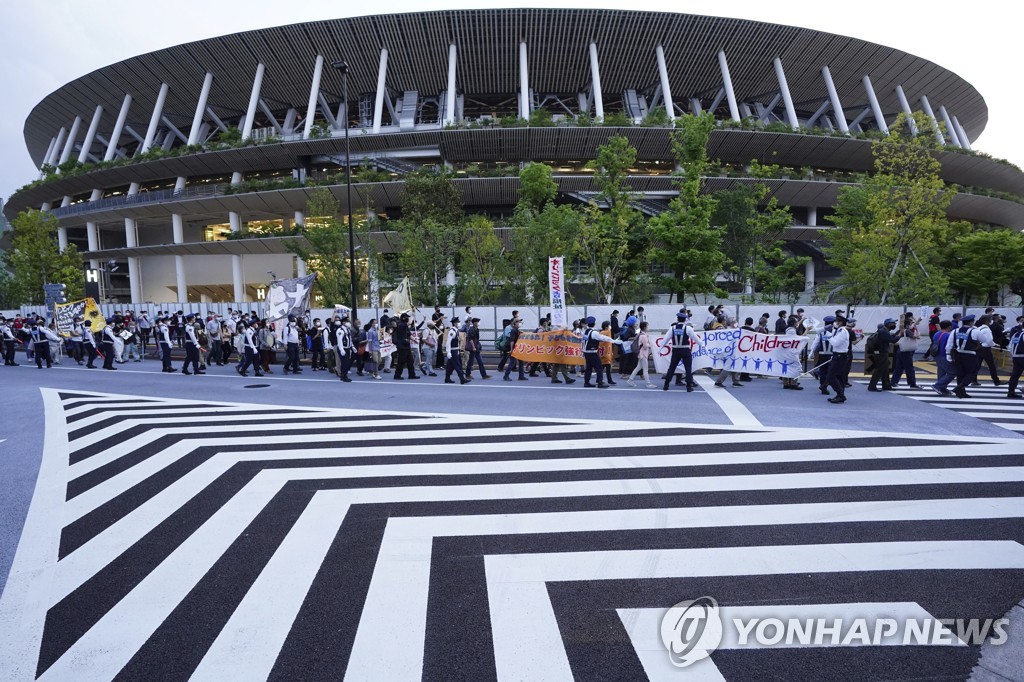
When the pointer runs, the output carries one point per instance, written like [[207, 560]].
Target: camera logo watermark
[[693, 629]]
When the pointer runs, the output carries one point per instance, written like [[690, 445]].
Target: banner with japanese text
[[562, 347], [556, 286], [738, 350], [85, 308]]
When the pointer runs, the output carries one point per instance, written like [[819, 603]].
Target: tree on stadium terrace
[[543, 229], [431, 229], [327, 255], [612, 240], [35, 259], [686, 243], [892, 231], [982, 262], [482, 264]]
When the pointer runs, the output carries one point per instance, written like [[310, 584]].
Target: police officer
[[883, 344], [967, 342], [89, 344], [249, 350], [591, 347], [291, 340], [9, 340], [453, 355], [681, 337], [108, 344], [344, 350], [823, 348], [841, 345], [1016, 348], [163, 337], [41, 337], [191, 346]]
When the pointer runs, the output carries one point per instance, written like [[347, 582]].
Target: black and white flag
[[289, 297]]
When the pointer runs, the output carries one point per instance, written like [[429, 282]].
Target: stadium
[[182, 174]]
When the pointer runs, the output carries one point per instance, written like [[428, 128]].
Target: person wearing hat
[[945, 370], [681, 339], [453, 356], [41, 337], [249, 350], [9, 340], [906, 344], [291, 340], [962, 350], [823, 352], [591, 346], [163, 339], [402, 338], [107, 342], [881, 346], [473, 348], [836, 369], [191, 347], [1016, 349]]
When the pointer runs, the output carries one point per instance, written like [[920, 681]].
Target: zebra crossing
[[988, 403], [175, 539]]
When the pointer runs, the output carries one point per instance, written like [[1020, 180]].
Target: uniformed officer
[[108, 344], [163, 337], [191, 346], [10, 342], [249, 350], [41, 337], [823, 348], [592, 340], [1016, 349], [967, 342], [681, 338], [453, 354], [89, 344], [840, 342], [291, 340], [345, 350]]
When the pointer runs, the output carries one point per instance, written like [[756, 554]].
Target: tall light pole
[[342, 65]]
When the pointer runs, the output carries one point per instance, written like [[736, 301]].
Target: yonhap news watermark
[[693, 629]]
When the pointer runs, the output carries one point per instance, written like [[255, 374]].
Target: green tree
[[892, 228], [686, 243], [431, 230], [612, 240], [983, 262], [328, 254], [482, 263], [35, 259]]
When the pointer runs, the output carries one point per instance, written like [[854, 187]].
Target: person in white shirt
[[191, 346], [109, 339], [249, 350], [10, 342], [163, 337], [89, 344], [41, 337], [291, 340], [840, 343]]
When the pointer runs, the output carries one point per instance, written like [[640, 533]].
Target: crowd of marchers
[[409, 346]]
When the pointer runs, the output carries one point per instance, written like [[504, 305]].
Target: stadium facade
[[194, 160]]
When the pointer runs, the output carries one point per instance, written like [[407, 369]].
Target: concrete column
[[524, 83], [595, 75], [905, 105], [300, 218], [723, 65], [449, 100], [49, 152], [237, 279], [178, 227], [809, 276], [54, 156], [962, 134], [812, 216], [950, 130], [449, 281], [93, 234], [134, 273], [62, 238], [382, 77], [300, 267], [314, 93], [69, 144], [876, 108], [254, 100], [833, 95], [931, 114], [45, 207], [787, 98], [90, 135], [197, 118], [666, 91]]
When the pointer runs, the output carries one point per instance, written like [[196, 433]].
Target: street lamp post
[[342, 66]]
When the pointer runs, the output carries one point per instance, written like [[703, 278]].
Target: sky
[[50, 42]]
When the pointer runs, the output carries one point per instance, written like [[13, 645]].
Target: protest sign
[[562, 347], [738, 350], [85, 308]]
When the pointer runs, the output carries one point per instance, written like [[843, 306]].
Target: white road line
[[736, 411], [394, 618], [527, 641]]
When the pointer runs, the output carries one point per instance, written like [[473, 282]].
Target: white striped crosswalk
[[191, 539], [986, 402]]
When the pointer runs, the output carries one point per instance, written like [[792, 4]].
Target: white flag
[[400, 299], [289, 297]]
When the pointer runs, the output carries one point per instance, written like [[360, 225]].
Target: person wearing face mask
[[291, 339], [316, 346], [344, 350]]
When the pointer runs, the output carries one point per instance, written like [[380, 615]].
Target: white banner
[[738, 350], [556, 285]]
